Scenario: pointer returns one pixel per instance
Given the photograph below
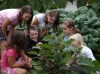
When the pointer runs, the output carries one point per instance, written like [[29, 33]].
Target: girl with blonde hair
[[78, 42]]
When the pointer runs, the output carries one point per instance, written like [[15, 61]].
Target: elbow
[[11, 66]]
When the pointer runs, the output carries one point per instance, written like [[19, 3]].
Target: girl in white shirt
[[78, 42], [45, 20]]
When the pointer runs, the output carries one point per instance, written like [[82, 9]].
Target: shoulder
[[39, 16], [86, 49], [11, 50], [13, 14]]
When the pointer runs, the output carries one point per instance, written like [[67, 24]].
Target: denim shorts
[[2, 38]]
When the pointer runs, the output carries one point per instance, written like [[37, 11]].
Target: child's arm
[[23, 55], [4, 27], [44, 32], [26, 58], [11, 31], [12, 64], [35, 21]]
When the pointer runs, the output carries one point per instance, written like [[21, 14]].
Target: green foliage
[[39, 5], [88, 23], [95, 5], [55, 57]]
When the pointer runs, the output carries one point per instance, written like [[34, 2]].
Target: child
[[33, 37], [78, 42], [69, 28], [44, 21], [16, 46], [10, 18]]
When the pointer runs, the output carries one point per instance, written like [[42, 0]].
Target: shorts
[[2, 38], [9, 70]]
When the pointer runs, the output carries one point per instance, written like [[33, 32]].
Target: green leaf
[[86, 62], [97, 65], [61, 3], [65, 57], [36, 63], [33, 52], [46, 46], [36, 4], [38, 67], [81, 3], [36, 47], [47, 4], [34, 71]]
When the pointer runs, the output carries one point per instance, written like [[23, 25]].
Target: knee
[[24, 71]]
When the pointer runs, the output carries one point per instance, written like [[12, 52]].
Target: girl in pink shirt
[[9, 18], [16, 46]]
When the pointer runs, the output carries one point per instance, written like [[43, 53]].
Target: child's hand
[[30, 60], [28, 64], [39, 43]]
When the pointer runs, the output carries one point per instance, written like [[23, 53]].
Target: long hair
[[27, 9], [54, 13], [78, 39], [70, 23], [17, 40]]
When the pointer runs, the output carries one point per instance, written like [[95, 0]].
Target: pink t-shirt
[[12, 14], [4, 60]]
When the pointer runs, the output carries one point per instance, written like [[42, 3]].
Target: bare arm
[[11, 31], [12, 64], [44, 32], [27, 60], [23, 55], [4, 26], [35, 21]]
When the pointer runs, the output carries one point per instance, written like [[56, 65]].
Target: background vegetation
[[87, 19]]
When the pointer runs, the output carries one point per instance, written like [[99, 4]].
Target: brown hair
[[54, 13], [70, 23], [18, 40], [33, 27], [26, 9]]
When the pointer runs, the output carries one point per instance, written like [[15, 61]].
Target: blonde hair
[[78, 39]]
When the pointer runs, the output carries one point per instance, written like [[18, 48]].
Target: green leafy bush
[[55, 57], [88, 23]]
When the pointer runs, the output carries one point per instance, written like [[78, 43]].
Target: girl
[[8, 61], [10, 18], [44, 21], [78, 42], [69, 28], [32, 39]]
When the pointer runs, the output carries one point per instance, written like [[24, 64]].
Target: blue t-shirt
[[65, 38]]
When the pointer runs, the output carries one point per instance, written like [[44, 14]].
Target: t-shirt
[[4, 60], [65, 38], [12, 14], [87, 53], [41, 19]]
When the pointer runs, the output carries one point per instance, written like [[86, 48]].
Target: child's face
[[66, 30], [26, 16], [33, 34], [50, 19]]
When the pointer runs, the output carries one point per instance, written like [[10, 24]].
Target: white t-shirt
[[87, 53], [41, 20]]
